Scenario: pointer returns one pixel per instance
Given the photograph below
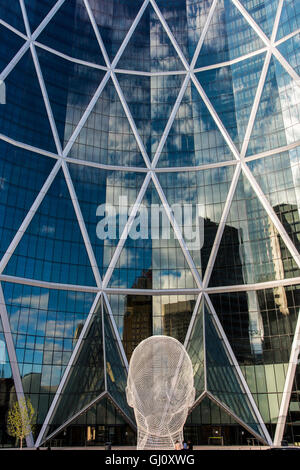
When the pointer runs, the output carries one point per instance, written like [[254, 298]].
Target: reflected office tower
[[149, 185]]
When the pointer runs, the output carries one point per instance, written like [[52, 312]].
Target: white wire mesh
[[160, 388]]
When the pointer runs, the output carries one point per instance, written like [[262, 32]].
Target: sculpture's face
[[160, 385]]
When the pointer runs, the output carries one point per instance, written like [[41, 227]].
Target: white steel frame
[[239, 160]]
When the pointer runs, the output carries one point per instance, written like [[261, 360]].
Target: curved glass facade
[[150, 184]]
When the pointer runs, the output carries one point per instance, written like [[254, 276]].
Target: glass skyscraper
[[115, 113]]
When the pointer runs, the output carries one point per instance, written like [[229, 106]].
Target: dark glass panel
[[85, 381], [70, 88], [133, 317], [195, 349], [37, 10], [22, 175], [231, 91], [52, 248], [11, 13], [116, 372], [194, 138], [70, 31], [229, 36], [251, 249], [149, 48], [222, 378], [45, 326], [106, 136], [10, 43], [25, 107]]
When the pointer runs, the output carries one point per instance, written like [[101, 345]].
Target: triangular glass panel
[[229, 36], [116, 373], [186, 21], [231, 91], [114, 19], [37, 10], [194, 138], [150, 100], [70, 31], [105, 198], [207, 412], [197, 199], [263, 12], [85, 380], [152, 251], [290, 51], [52, 248], [222, 377], [5, 368], [149, 48], [45, 326], [101, 423], [195, 349], [277, 176], [289, 19], [22, 175], [106, 136], [251, 249], [277, 119], [11, 44], [11, 13], [70, 87], [25, 107]]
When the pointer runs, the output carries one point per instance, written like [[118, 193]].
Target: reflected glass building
[[113, 114]]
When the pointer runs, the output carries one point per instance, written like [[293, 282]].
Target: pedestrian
[[190, 445], [185, 446], [177, 445]]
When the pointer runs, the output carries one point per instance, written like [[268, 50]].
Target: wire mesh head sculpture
[[160, 388]]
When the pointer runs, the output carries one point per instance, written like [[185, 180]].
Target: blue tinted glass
[[70, 88], [290, 51], [231, 90], [151, 100], [263, 12], [37, 10], [251, 249], [52, 248], [222, 378], [22, 175], [24, 117], [152, 256], [289, 19], [85, 380], [149, 48], [5, 369], [229, 36], [194, 137], [186, 20], [45, 326], [70, 31], [11, 13], [114, 19], [103, 195], [277, 178], [10, 43], [107, 137], [278, 115], [195, 349], [198, 200]]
